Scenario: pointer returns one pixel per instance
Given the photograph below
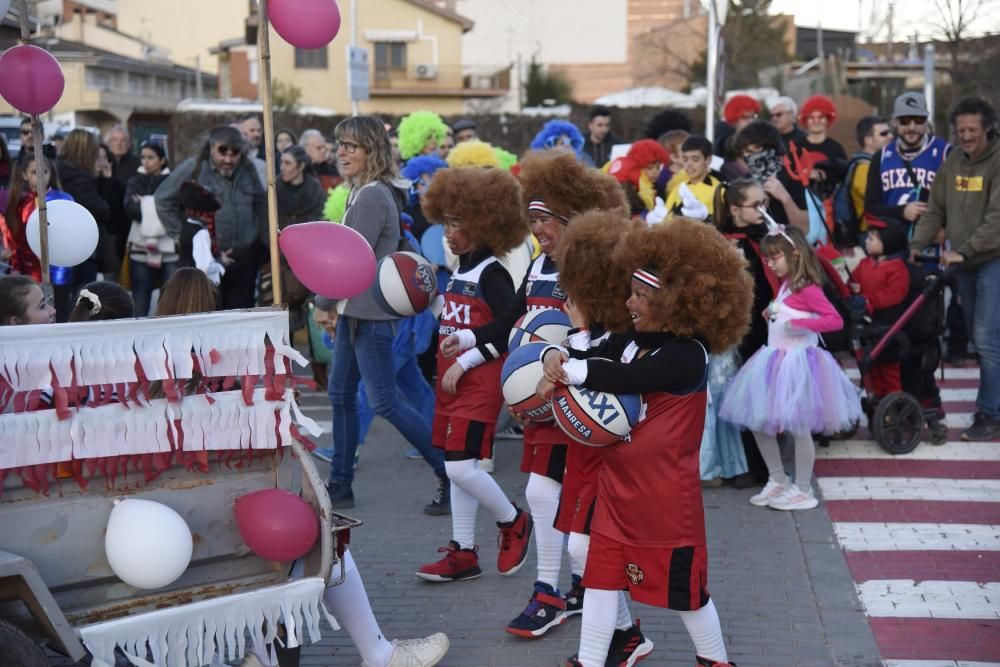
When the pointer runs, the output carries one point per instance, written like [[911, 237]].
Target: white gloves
[[658, 214], [691, 206]]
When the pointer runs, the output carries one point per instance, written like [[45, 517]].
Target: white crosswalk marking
[[906, 598], [910, 488], [874, 536], [953, 450]]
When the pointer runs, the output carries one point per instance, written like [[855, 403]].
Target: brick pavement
[[779, 580]]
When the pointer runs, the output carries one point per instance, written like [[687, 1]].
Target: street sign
[[357, 72]]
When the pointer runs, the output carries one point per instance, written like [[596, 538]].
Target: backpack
[[846, 220]]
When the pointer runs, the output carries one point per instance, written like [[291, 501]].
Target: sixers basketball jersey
[[898, 189], [543, 289], [479, 396]]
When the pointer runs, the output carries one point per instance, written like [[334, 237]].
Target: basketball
[[595, 418], [546, 325], [405, 284], [520, 375]]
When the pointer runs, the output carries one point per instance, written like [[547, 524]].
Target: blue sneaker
[[324, 454], [545, 610]]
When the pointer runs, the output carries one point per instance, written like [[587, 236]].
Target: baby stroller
[[898, 420]]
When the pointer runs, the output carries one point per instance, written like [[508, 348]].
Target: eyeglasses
[[349, 146], [778, 114], [911, 120], [765, 202], [228, 150]]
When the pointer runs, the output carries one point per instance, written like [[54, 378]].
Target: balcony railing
[[443, 79]]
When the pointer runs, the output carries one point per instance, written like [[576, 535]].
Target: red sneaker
[[705, 662], [457, 564], [513, 542]]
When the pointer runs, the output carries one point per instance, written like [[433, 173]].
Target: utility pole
[[354, 43], [929, 78], [199, 92], [889, 41]]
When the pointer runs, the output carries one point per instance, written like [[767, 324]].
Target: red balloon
[[307, 24], [330, 259], [31, 80], [276, 525]]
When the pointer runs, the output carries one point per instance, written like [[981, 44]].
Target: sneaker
[[794, 498], [983, 428], [324, 454], [440, 505], [414, 455], [457, 564], [574, 597], [573, 662], [510, 433], [486, 465], [628, 647], [513, 542], [423, 652], [545, 610], [341, 495], [705, 662], [771, 490]]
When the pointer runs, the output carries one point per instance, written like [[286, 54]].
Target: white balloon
[[148, 545], [72, 233]]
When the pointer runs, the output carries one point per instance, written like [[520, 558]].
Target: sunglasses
[[25, 131], [228, 150], [911, 120], [779, 114]]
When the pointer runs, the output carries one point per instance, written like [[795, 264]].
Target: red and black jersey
[[466, 306], [541, 287]]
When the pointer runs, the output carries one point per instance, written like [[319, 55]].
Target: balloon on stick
[[307, 24], [276, 524], [31, 79], [148, 544], [72, 233], [331, 260]]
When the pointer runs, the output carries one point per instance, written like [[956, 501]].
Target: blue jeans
[[979, 290], [366, 353], [144, 280]]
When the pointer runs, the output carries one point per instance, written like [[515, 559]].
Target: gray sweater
[[373, 212], [238, 223]]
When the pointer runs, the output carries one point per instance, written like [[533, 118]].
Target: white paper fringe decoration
[[106, 352], [192, 635], [224, 422]]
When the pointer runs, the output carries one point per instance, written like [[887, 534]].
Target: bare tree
[[954, 20]]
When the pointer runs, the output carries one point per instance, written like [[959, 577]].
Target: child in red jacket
[[883, 281]]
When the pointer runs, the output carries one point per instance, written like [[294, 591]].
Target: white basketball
[[406, 284], [547, 325], [519, 378]]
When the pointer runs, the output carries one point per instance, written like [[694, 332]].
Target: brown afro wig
[[567, 186], [486, 201], [706, 288], [598, 286]]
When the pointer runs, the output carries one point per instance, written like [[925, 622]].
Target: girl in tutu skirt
[[791, 385]]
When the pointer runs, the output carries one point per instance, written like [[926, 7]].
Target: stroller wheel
[[898, 423]]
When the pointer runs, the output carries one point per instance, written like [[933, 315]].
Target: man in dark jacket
[[599, 140], [239, 224]]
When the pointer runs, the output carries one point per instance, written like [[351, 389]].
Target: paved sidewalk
[[779, 580]]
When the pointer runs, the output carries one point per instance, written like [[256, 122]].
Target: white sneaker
[[771, 490], [486, 465], [423, 652], [794, 498]]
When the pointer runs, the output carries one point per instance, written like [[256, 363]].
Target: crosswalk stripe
[[939, 663], [907, 488], [876, 536], [954, 450], [949, 373], [905, 598], [981, 566]]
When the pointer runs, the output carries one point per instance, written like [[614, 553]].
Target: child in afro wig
[[567, 186]]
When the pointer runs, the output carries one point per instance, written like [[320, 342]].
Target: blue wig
[[549, 136], [416, 167]]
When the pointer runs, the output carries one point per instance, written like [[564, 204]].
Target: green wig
[[336, 204], [506, 158], [416, 129]]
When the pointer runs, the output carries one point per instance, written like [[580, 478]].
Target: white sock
[[577, 547], [705, 630], [480, 485], [770, 451], [348, 602], [624, 617], [463, 517], [805, 457], [543, 500], [599, 611]]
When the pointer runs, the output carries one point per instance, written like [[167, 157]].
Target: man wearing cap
[[965, 202], [901, 174], [465, 130]]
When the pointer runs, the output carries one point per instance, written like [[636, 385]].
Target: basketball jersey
[[541, 291], [649, 490], [465, 307], [898, 189]]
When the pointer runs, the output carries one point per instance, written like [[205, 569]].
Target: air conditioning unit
[[426, 71]]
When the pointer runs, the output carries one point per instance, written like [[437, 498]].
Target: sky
[[910, 15]]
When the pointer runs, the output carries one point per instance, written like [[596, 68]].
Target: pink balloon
[[330, 259], [276, 525], [31, 80], [307, 24]]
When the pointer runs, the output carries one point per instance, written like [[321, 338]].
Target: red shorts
[[675, 578], [457, 434], [546, 460], [579, 492]]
